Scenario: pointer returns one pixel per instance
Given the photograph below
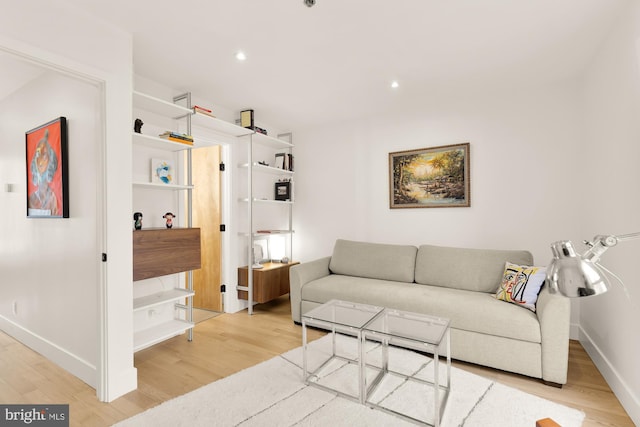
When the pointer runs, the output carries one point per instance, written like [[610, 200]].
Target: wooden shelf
[[158, 333], [160, 298], [162, 251]]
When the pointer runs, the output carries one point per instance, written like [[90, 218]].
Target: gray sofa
[[455, 283]]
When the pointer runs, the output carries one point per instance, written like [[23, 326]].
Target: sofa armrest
[[301, 274], [554, 315]]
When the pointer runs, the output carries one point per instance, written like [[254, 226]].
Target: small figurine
[[137, 126], [169, 217], [137, 218]]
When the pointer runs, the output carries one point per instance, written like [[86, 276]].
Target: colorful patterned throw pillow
[[521, 285]]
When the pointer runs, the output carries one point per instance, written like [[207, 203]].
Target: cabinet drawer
[[162, 251], [269, 282]]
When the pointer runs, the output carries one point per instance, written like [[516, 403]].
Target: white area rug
[[273, 394]]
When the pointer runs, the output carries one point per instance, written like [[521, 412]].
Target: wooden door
[[206, 216]]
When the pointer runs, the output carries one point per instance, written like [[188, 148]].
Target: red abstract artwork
[[46, 162]]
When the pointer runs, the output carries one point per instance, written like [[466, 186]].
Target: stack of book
[[177, 137], [284, 161], [202, 110]]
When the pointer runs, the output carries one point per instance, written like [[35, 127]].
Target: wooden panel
[[205, 164], [162, 251], [269, 282]]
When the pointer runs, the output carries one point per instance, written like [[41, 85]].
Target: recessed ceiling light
[[395, 84], [240, 56]]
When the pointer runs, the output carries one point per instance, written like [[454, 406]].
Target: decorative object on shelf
[[137, 220], [246, 119], [169, 219], [288, 164], [202, 110], [284, 161], [161, 171], [280, 160], [574, 275], [263, 163], [283, 190], [258, 255], [137, 126], [277, 248], [260, 130], [435, 177], [177, 137], [47, 164]]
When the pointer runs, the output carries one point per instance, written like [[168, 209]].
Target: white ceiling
[[336, 60]]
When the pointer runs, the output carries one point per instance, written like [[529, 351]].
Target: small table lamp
[[575, 275]]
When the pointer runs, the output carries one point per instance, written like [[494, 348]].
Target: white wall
[[612, 142], [85, 46], [525, 157], [523, 167], [44, 277]]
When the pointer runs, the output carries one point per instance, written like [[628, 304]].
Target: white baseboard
[[625, 395], [58, 355]]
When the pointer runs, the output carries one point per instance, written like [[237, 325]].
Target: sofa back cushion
[[374, 260], [469, 269]]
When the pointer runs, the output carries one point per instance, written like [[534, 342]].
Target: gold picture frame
[[435, 177]]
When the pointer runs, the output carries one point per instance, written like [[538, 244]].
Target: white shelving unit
[[257, 171], [206, 131], [178, 299], [213, 127]]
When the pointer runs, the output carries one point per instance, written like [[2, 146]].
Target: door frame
[[114, 372]]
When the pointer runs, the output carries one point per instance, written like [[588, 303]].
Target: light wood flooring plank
[[229, 343]]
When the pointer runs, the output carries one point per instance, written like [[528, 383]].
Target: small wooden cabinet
[[161, 251], [269, 282]]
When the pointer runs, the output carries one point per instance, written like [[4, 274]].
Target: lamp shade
[[572, 275]]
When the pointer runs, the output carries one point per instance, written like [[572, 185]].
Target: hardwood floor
[[231, 342]]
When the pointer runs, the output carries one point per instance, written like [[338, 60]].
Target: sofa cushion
[[470, 269], [470, 311], [521, 285], [374, 260]]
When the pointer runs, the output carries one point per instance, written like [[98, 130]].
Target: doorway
[[206, 195]]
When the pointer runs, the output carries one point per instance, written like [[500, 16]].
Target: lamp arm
[[630, 236], [620, 282], [599, 244]]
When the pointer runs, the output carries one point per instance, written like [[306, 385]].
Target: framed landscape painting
[[436, 177], [46, 165]]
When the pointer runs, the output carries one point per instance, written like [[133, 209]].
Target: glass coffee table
[[338, 317], [388, 328], [420, 332]]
